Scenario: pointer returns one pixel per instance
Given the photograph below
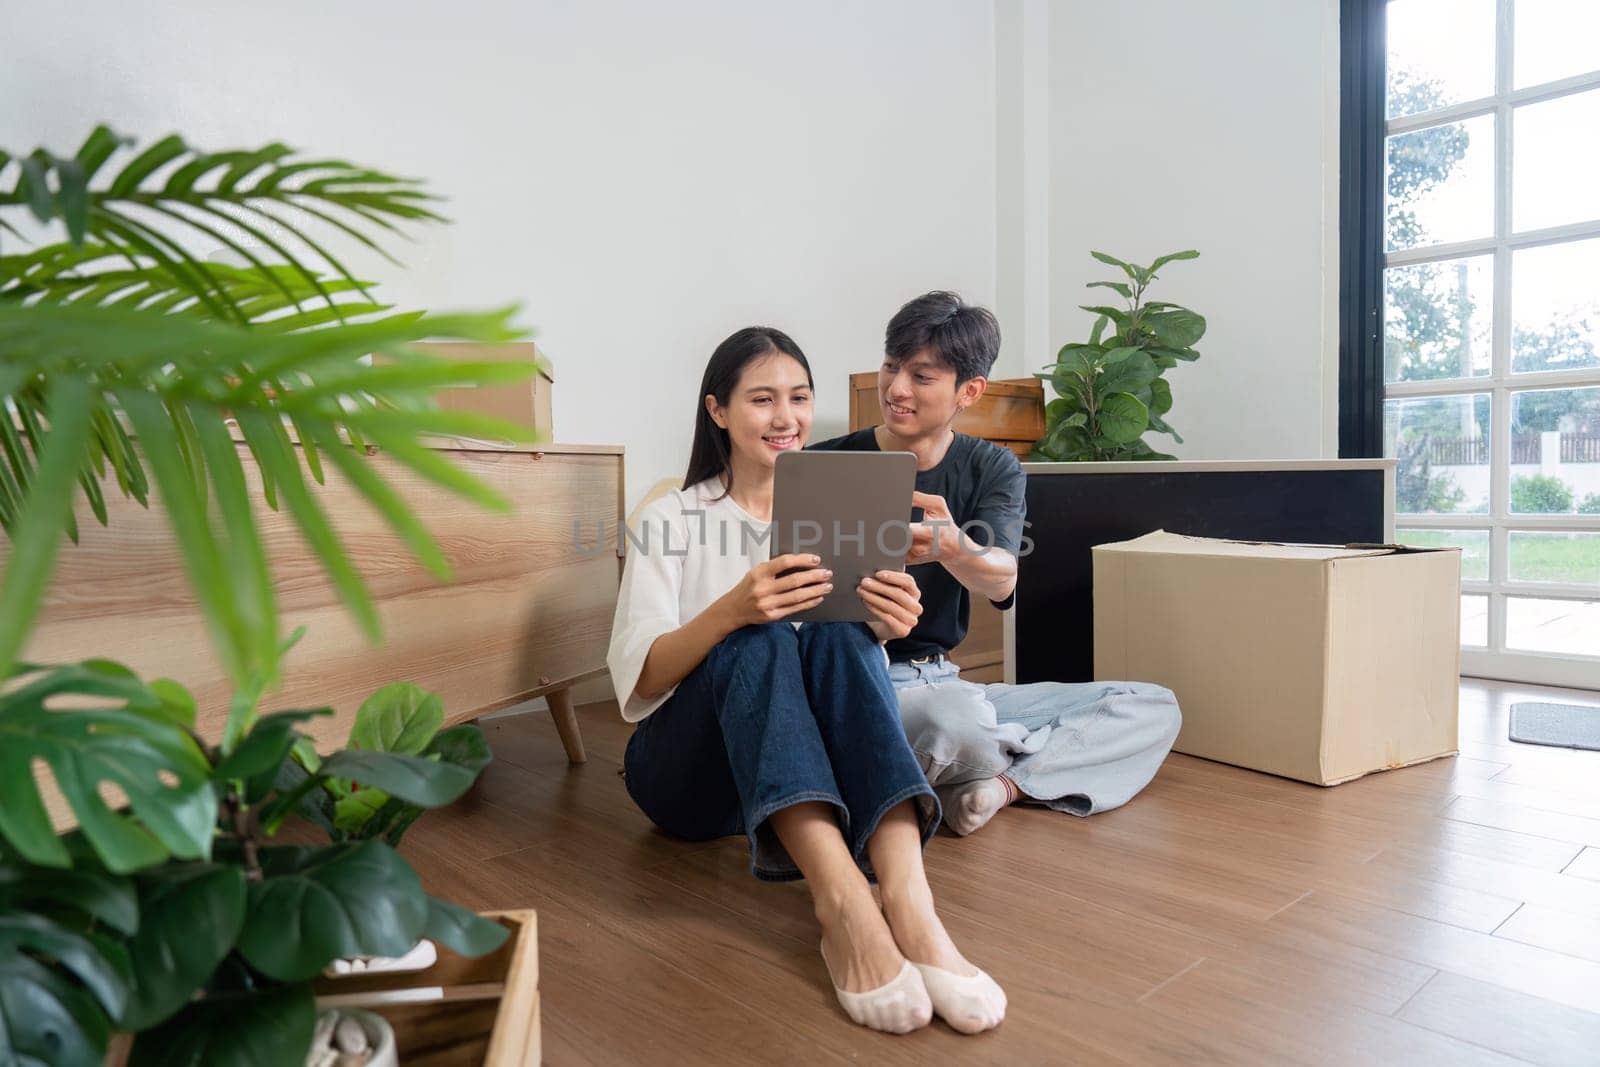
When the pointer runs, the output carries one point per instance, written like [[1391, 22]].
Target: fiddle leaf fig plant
[[1110, 390], [222, 940], [401, 718]]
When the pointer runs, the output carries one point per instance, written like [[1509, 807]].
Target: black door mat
[[1559, 725]]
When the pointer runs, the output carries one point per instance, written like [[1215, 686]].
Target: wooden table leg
[[566, 724]]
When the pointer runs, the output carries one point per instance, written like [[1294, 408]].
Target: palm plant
[[127, 358], [122, 331]]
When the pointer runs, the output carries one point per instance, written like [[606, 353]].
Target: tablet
[[851, 508]]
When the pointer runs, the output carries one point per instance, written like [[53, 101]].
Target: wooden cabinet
[[527, 614]]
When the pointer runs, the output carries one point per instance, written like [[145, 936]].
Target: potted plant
[[127, 358], [1111, 390]]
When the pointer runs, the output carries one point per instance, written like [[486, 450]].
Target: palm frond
[[204, 193], [72, 372]]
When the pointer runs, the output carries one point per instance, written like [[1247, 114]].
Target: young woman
[[791, 735]]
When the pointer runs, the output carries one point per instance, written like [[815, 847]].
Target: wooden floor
[[1444, 913]]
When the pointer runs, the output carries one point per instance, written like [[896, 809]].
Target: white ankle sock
[[971, 804], [899, 1006], [969, 1003]]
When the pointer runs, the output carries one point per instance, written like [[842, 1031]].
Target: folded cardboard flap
[[1184, 544]]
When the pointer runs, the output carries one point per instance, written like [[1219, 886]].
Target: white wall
[[644, 177], [1213, 126]]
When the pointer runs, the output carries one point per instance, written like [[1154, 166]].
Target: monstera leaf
[[131, 743]]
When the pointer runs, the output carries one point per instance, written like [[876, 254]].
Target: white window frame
[[1495, 661]]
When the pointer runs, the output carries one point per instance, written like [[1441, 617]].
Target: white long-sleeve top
[[691, 546]]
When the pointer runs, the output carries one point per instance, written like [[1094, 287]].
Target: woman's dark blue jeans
[[776, 716]]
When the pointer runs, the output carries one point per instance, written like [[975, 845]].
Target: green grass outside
[[1535, 557]]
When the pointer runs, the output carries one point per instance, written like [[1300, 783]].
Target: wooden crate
[[459, 1011], [1010, 413]]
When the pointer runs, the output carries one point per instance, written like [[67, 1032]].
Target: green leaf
[[1115, 262], [462, 746], [1121, 288], [105, 977], [87, 746], [299, 792], [1122, 418], [1116, 315], [1099, 330], [427, 782], [1069, 444], [191, 915], [1060, 408], [45, 1018], [35, 186], [249, 578], [266, 745], [1187, 355], [175, 704], [1078, 419], [46, 508], [269, 1028], [340, 901], [108, 899], [266, 436], [1160, 397], [201, 553], [400, 717], [1132, 371], [352, 811], [97, 148], [464, 932], [1162, 261], [1176, 329], [74, 198], [1160, 426], [144, 164]]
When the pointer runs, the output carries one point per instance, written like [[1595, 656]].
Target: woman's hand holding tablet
[[778, 588]]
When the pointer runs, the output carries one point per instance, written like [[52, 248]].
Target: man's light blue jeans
[[1078, 747]]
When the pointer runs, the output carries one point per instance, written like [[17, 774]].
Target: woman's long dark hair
[[711, 455]]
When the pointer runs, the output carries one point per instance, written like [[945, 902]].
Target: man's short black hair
[[962, 337]]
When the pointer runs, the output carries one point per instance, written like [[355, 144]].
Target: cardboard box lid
[[1171, 544]]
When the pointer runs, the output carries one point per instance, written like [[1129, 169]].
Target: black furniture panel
[[1070, 513]]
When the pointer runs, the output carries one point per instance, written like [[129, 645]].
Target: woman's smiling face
[[769, 410]]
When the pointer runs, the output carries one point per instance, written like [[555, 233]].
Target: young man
[[1074, 747]]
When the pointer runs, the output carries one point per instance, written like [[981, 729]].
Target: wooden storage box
[[458, 1011], [1010, 413], [526, 402]]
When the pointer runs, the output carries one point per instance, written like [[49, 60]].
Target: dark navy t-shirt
[[982, 484]]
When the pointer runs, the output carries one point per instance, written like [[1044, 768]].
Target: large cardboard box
[[1313, 662]]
